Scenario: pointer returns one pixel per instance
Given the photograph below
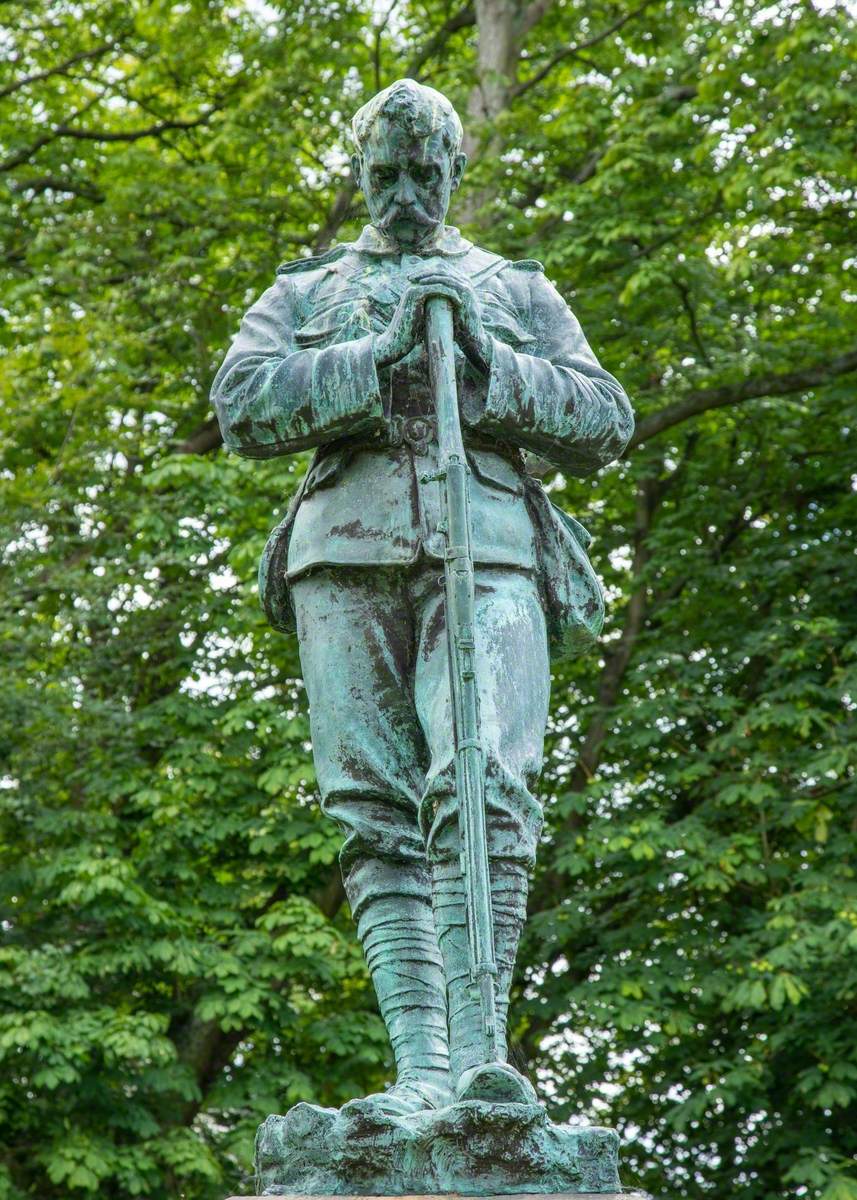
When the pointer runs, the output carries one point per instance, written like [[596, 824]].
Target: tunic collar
[[446, 241]]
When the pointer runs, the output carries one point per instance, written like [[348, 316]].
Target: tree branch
[[206, 1048], [62, 69], [616, 662], [335, 218], [132, 135], [690, 311], [461, 20], [207, 437], [583, 172], [532, 14], [379, 32], [56, 183], [704, 399], [576, 47], [101, 135], [28, 152]]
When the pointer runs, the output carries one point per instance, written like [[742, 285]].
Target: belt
[[418, 433]]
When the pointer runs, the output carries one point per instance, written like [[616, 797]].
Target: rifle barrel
[[460, 629]]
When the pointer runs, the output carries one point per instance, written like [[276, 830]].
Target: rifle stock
[[459, 583]]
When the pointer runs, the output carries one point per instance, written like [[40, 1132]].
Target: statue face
[[407, 181]]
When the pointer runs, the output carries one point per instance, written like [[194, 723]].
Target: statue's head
[[408, 160]]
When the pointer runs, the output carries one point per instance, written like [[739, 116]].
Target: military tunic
[[360, 551]]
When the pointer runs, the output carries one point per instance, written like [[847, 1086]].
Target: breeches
[[374, 659]]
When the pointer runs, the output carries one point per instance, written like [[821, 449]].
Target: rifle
[[459, 584]]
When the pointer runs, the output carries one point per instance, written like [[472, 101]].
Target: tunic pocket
[[495, 471], [325, 470]]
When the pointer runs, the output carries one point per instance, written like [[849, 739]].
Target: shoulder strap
[[496, 265], [310, 264], [527, 264], [499, 264]]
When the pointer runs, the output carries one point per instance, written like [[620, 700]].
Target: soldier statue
[[334, 356]]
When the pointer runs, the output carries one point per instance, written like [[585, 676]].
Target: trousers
[[374, 659]]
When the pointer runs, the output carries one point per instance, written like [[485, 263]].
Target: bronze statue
[[334, 356]]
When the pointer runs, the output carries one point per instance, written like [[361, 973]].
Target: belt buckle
[[416, 432]]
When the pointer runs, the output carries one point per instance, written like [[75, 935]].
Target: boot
[[400, 944], [471, 1077]]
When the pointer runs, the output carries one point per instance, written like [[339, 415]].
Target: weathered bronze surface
[[511, 1196], [428, 703], [474, 1148]]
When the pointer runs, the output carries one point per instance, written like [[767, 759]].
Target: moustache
[[410, 212]]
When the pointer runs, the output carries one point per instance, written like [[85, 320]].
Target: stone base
[[559, 1195], [474, 1148]]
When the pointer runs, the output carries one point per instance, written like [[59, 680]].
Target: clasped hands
[[407, 325]]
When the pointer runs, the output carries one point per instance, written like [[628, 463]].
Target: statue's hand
[[408, 321], [470, 333]]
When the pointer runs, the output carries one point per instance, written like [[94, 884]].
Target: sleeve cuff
[[503, 400]]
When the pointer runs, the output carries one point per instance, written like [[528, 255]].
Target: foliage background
[[176, 959]]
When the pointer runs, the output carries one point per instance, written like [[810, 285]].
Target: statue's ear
[[458, 165], [356, 168]]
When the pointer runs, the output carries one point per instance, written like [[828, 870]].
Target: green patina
[[335, 355]]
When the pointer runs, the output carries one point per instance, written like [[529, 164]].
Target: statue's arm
[[272, 397], [556, 401]]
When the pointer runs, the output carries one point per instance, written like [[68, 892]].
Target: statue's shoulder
[[304, 266]]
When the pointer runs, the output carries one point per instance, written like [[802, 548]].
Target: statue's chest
[[352, 300]]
